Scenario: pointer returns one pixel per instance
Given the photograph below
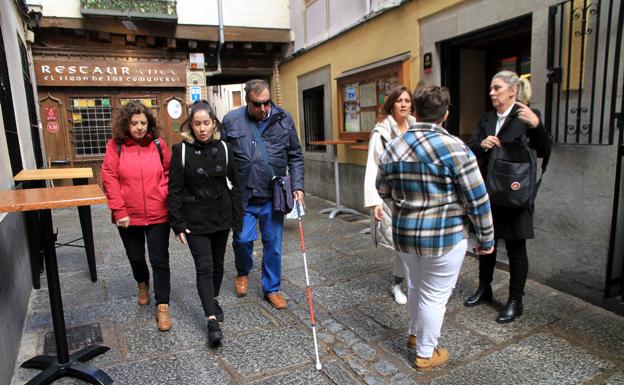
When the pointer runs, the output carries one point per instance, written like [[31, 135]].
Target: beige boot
[[162, 317], [144, 297]]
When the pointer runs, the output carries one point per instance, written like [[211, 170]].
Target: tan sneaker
[[411, 341], [144, 297], [439, 357], [162, 317]]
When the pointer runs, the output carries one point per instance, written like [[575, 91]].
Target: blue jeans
[[271, 227]]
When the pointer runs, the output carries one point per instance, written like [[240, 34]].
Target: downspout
[[368, 7], [221, 41]]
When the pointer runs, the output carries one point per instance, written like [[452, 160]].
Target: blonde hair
[[524, 91], [523, 86]]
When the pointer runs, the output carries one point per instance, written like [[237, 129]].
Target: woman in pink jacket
[[135, 179]]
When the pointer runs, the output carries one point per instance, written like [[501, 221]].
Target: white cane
[[305, 268]]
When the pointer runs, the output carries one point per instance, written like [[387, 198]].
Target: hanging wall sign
[[107, 73], [50, 112], [53, 127], [428, 62], [174, 109]]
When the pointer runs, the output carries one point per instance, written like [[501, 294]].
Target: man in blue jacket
[[276, 129]]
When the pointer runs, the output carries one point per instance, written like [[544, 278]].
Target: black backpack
[[512, 174], [156, 142]]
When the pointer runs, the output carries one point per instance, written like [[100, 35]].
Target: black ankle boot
[[483, 294], [512, 310], [219, 313], [215, 335]]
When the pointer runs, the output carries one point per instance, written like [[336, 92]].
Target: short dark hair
[[255, 86], [392, 97], [121, 124], [431, 103]]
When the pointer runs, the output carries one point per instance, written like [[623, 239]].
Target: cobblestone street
[[361, 331]]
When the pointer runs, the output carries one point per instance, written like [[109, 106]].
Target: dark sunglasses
[[256, 104]]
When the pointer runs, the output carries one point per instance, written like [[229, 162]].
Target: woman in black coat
[[203, 207], [510, 121]]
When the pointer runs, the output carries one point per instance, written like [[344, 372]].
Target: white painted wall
[[13, 29], [241, 13], [222, 100], [323, 19]]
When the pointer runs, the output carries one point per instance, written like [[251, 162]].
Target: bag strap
[[226, 153], [156, 142], [183, 155], [260, 145], [160, 152]]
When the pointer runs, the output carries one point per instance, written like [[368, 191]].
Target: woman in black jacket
[[510, 121], [203, 206]]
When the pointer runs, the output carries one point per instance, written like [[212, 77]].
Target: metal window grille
[[584, 71], [314, 118], [91, 125]]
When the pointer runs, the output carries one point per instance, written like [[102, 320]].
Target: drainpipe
[[368, 7], [221, 41]]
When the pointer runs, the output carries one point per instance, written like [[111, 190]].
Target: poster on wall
[[368, 119], [351, 93], [368, 95], [352, 118]]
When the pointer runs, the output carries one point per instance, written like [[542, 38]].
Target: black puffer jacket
[[199, 198]]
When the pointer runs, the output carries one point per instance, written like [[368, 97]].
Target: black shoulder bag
[[283, 201], [512, 174]]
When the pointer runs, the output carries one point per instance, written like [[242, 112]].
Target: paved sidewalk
[[362, 332]]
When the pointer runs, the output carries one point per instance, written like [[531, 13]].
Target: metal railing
[[143, 9], [583, 71]]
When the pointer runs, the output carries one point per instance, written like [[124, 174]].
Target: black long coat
[[509, 223]]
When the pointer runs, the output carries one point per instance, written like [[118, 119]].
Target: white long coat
[[382, 134]]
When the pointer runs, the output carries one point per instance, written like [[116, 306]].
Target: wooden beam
[[154, 28], [104, 36]]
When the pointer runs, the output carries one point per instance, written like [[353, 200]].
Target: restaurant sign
[[109, 73]]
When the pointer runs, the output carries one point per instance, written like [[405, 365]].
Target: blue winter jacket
[[282, 145]]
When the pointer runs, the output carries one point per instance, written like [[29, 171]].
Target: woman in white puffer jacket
[[398, 110]]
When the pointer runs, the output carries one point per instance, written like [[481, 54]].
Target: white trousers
[[431, 282], [399, 268]]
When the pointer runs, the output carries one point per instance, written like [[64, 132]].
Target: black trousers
[[208, 251], [518, 267], [157, 236]]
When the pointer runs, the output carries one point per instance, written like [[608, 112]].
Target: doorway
[[470, 61]]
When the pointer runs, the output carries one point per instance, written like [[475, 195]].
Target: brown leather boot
[[144, 297], [276, 300], [162, 317], [241, 285]]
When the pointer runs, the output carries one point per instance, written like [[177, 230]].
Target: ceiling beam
[[154, 28]]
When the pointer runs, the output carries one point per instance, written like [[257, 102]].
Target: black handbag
[[283, 200], [511, 177]]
